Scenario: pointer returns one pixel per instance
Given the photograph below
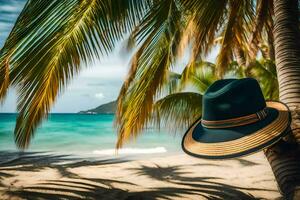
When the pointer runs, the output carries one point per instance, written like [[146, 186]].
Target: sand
[[49, 176]]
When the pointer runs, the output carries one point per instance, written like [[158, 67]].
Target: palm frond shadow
[[245, 162], [74, 187], [208, 187], [81, 190], [37, 161]]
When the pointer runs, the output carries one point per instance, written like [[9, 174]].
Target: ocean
[[88, 135]]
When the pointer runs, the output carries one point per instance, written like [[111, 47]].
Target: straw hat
[[236, 121]]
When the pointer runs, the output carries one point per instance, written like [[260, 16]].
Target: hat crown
[[232, 98]]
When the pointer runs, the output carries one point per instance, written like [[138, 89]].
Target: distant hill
[[108, 108]]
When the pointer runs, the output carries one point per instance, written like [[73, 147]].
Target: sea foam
[[131, 151]]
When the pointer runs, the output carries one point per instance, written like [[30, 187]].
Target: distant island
[[108, 108]]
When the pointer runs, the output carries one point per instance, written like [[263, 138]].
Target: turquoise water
[[91, 135]]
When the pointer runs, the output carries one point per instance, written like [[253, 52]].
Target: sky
[[96, 84]]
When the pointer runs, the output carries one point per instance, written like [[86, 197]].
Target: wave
[[131, 151]]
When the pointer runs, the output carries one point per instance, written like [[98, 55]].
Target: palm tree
[[285, 162], [51, 40]]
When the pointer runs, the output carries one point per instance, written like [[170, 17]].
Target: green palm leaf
[[178, 110], [14, 39], [149, 68], [4, 78], [265, 72], [41, 73], [200, 74], [173, 82]]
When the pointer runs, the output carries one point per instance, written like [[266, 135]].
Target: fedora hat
[[236, 121]]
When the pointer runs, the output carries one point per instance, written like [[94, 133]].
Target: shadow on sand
[[73, 186]]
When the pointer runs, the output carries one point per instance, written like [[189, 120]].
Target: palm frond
[[241, 13], [149, 69], [265, 72], [130, 78], [4, 78], [49, 63], [186, 37], [15, 35], [234, 70], [178, 110], [263, 21], [206, 18], [172, 83], [200, 74], [240, 56], [49, 45]]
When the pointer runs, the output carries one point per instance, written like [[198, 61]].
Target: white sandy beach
[[40, 176]]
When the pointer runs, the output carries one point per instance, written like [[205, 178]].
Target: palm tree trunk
[[284, 157], [271, 50]]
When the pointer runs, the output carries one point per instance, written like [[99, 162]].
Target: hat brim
[[235, 142]]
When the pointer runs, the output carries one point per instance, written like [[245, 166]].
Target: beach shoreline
[[42, 175]]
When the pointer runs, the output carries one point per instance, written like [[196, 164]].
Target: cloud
[[9, 8], [99, 95], [102, 71], [96, 84], [5, 26]]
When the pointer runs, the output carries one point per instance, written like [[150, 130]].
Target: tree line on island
[[107, 108]]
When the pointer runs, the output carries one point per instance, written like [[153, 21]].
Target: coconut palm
[[283, 157], [51, 41]]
